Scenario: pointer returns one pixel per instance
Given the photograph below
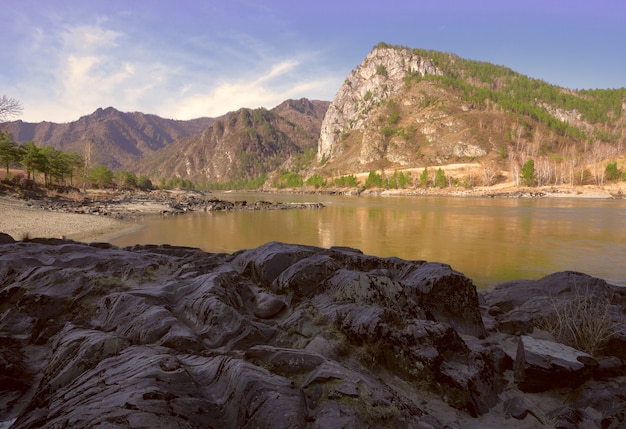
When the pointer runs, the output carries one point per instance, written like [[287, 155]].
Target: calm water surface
[[489, 240]]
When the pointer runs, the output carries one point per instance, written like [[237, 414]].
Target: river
[[489, 240]]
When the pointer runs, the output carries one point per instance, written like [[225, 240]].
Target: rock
[[267, 306], [519, 408], [304, 277], [278, 336], [6, 238], [542, 365], [447, 295], [568, 418], [285, 361], [265, 263], [521, 304], [366, 86]]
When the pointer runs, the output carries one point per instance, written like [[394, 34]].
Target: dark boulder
[[447, 295], [6, 238], [278, 336], [542, 365]]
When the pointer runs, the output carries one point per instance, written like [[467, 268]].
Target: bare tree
[[86, 163], [514, 167], [490, 169], [9, 107]]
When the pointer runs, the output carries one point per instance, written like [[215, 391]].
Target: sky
[[184, 59]]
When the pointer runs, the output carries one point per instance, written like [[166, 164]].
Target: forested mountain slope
[[406, 108]]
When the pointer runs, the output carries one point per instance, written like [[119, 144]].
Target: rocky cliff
[[382, 74], [289, 336], [403, 108]]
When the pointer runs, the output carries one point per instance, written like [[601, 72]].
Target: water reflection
[[490, 240]]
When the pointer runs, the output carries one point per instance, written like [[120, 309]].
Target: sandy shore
[[19, 221]]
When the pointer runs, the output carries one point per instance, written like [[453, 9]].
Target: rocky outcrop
[[134, 204], [280, 336], [381, 74]]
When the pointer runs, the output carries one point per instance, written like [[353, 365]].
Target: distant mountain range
[[243, 145], [119, 139], [400, 108]]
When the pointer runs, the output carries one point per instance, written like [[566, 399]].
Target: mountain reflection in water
[[489, 240]]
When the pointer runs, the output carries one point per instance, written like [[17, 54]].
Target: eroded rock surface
[[281, 336]]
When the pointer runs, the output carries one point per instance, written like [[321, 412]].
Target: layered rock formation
[[285, 336]]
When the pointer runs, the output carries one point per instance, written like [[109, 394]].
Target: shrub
[[611, 172], [316, 180], [374, 180], [528, 173], [440, 179], [289, 180], [583, 322], [424, 178], [347, 181]]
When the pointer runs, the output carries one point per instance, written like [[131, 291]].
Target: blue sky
[[183, 59]]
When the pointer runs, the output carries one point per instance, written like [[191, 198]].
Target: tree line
[[479, 82], [54, 167]]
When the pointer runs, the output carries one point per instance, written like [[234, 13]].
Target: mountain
[[243, 145], [118, 139], [403, 108]]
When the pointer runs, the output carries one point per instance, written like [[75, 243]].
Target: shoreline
[[20, 221], [25, 219]]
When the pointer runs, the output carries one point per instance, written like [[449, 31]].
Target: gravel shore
[[19, 221]]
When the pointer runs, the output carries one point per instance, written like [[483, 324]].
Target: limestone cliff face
[[381, 75]]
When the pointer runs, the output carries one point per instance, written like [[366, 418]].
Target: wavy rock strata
[[281, 336]]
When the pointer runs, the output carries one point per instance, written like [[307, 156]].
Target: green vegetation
[[316, 180], [424, 178], [289, 180], [59, 168], [503, 152], [178, 183], [56, 166], [398, 180], [611, 172], [254, 183], [528, 173], [9, 151], [440, 179], [374, 180], [480, 82], [101, 177], [381, 70], [347, 181]]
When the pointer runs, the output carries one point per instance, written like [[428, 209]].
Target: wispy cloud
[[267, 90], [91, 66], [65, 58]]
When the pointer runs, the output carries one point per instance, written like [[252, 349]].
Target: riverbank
[[504, 190], [101, 216], [21, 220]]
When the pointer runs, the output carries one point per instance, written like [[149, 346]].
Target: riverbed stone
[[542, 365]]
